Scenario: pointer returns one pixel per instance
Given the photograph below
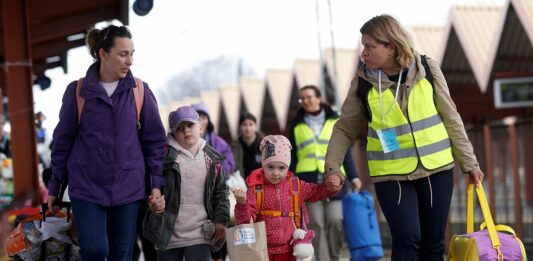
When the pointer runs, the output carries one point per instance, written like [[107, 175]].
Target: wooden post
[[516, 181], [489, 171]]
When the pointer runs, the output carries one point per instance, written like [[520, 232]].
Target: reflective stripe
[[306, 143], [323, 142], [405, 128], [434, 147], [314, 156], [406, 153]]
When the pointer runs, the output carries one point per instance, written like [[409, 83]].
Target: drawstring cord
[[399, 192], [430, 191]]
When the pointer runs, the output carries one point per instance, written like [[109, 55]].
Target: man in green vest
[[309, 137]]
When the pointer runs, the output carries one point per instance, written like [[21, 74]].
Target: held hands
[[475, 177], [240, 195], [334, 181], [220, 232], [156, 202]]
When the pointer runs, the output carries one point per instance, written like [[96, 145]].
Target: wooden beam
[[18, 72], [54, 48], [40, 11], [489, 169], [69, 25]]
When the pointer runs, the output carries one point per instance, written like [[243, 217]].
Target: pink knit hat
[[275, 148]]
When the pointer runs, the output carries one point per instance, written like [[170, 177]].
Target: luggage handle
[[61, 204], [486, 215], [500, 228]]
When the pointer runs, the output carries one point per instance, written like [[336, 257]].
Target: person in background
[[414, 133], [246, 147], [310, 134], [197, 213], [104, 151], [5, 140], [213, 139]]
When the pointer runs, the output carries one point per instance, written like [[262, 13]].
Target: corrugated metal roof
[[307, 71], [428, 40], [476, 27], [279, 85], [346, 61], [524, 10], [211, 99], [513, 49], [230, 96], [253, 94]]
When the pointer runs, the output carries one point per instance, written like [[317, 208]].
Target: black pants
[[200, 252], [416, 212]]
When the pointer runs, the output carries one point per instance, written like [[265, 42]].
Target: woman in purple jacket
[[106, 152]]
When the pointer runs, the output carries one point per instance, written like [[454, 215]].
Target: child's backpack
[[138, 96], [295, 193], [361, 226]]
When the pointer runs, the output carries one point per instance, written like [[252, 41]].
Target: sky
[[178, 34]]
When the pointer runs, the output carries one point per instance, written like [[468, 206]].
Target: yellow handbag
[[491, 242]]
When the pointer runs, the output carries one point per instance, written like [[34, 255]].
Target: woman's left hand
[[475, 177]]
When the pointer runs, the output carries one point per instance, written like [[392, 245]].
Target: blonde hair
[[387, 30]]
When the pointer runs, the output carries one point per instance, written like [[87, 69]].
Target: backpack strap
[[80, 101], [259, 197], [363, 87], [138, 96], [295, 198], [295, 194], [429, 75]]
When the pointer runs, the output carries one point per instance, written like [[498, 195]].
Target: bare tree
[[207, 75]]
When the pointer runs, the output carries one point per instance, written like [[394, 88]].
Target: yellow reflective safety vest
[[311, 152], [421, 136]]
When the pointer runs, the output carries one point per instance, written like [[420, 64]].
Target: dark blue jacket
[[105, 156]]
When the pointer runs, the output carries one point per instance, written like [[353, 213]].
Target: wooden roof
[[56, 26]]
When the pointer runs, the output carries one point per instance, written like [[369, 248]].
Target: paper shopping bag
[[247, 242]]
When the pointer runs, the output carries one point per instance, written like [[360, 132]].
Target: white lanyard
[[381, 99]]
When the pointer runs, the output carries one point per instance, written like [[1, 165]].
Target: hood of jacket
[[330, 113], [415, 73], [172, 142], [257, 177]]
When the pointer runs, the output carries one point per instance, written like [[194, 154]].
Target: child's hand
[[334, 181], [240, 195], [156, 202], [220, 232]]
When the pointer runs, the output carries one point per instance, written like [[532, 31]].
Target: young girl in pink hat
[[272, 193]]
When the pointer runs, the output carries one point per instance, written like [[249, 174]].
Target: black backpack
[[364, 87]]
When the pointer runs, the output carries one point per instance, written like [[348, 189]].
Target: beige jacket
[[352, 119]]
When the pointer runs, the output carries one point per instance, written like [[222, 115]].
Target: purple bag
[[491, 242]]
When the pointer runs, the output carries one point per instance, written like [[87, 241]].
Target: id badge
[[388, 140]]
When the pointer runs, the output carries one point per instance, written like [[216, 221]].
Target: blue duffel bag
[[361, 226]]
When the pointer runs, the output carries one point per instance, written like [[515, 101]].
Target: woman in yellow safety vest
[[414, 135]]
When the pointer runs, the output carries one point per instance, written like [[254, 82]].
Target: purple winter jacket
[[104, 157], [222, 147]]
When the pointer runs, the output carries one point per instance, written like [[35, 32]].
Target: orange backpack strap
[[138, 96], [295, 198], [80, 102], [259, 197]]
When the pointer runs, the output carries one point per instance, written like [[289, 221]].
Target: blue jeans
[[417, 212], [105, 233]]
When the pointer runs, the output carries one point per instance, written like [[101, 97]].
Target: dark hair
[[312, 87], [247, 116], [210, 126], [105, 39]]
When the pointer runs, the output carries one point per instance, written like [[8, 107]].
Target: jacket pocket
[[153, 227]]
